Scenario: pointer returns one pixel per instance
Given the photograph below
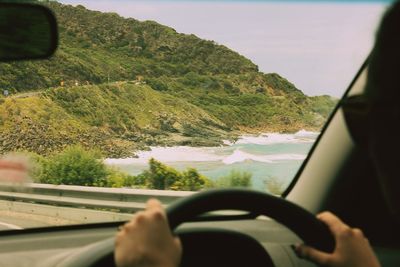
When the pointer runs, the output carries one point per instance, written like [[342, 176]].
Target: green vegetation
[[234, 179], [120, 85], [78, 166], [96, 47], [74, 166], [38, 124], [121, 117], [274, 186], [162, 177]]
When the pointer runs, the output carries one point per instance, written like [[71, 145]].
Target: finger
[[358, 233], [156, 210], [118, 236], [153, 204], [333, 222], [178, 243], [137, 214], [319, 257], [138, 217]]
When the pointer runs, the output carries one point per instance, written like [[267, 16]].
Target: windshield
[[178, 96]]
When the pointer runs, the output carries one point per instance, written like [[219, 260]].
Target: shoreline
[[261, 139], [263, 156]]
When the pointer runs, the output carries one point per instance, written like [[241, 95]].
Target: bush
[[235, 179], [75, 166], [157, 84], [139, 181], [116, 178], [162, 177], [191, 180], [274, 186]]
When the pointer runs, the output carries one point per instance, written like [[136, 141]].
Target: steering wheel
[[312, 231]]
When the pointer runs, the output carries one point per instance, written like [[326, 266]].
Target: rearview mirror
[[27, 31]]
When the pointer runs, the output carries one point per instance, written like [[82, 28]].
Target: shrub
[[116, 178], [157, 84], [162, 177], [191, 180], [274, 185], [139, 181], [235, 179], [75, 166]]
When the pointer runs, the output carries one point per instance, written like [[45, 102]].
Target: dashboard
[[260, 242]]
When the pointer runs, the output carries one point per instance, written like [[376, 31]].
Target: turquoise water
[[273, 155]]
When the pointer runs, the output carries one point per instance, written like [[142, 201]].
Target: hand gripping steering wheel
[[312, 231]]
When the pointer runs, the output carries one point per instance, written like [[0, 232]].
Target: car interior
[[337, 175]]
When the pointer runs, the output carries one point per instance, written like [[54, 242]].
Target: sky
[[317, 45]]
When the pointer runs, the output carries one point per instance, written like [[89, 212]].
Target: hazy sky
[[317, 45]]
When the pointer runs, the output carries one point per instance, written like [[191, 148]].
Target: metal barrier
[[99, 198]]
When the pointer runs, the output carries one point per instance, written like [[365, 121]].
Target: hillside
[[121, 85], [97, 47], [118, 118]]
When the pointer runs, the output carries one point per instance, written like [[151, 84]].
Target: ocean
[[266, 156]]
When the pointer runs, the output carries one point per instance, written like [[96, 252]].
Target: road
[[14, 220], [21, 215]]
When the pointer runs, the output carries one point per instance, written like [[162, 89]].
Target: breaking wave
[[231, 153], [171, 154], [301, 136], [240, 156]]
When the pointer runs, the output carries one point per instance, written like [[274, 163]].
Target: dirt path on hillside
[[25, 95]]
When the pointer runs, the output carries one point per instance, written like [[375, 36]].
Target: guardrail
[[99, 198]]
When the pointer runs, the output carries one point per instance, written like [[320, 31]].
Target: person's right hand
[[352, 248]]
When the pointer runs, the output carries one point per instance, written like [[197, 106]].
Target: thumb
[[178, 243], [309, 253]]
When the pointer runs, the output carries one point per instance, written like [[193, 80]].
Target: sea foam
[[240, 156], [171, 154], [276, 138], [221, 154]]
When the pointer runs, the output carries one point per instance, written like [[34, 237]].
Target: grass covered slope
[[121, 117], [117, 118], [128, 84], [38, 124], [96, 47]]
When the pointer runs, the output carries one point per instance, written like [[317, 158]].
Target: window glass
[[181, 95]]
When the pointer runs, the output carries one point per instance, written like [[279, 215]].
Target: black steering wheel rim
[[312, 231]]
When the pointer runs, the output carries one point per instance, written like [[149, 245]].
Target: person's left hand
[[147, 241]]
